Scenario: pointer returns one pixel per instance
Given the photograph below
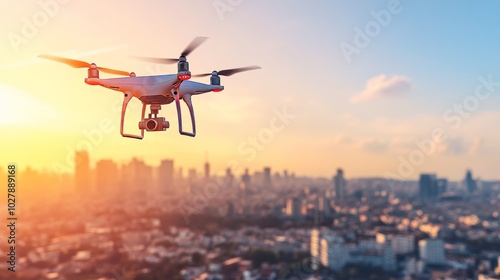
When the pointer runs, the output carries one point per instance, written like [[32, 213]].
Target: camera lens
[[151, 124]]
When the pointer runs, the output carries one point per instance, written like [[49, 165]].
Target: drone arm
[[187, 99], [126, 100]]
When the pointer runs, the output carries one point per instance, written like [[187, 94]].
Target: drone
[[156, 90]]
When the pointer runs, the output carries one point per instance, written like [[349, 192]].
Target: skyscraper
[[137, 177], [432, 251], [388, 256], [442, 185], [192, 175], [267, 177], [245, 180], [82, 172], [294, 207], [339, 184], [229, 177], [324, 206], [107, 175], [166, 175], [470, 183], [207, 170], [428, 186]]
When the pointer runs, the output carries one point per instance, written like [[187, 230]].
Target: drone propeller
[[190, 48], [229, 72], [82, 64]]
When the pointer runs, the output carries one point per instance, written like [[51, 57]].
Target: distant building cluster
[[259, 225], [332, 251]]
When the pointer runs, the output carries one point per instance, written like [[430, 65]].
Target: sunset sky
[[366, 84]]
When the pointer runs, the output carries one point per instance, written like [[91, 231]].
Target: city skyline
[[168, 177], [203, 171]]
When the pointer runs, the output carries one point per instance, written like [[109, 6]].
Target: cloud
[[342, 139], [383, 86], [461, 146], [373, 145], [476, 145]]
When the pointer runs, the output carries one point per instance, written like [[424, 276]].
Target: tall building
[[229, 178], [82, 172], [334, 255], [401, 244], [470, 183], [324, 206], [192, 175], [388, 256], [442, 185], [285, 177], [428, 187], [137, 177], [322, 249], [294, 207], [166, 175], [267, 177], [339, 184], [315, 244], [245, 182], [207, 171], [431, 251], [107, 175]]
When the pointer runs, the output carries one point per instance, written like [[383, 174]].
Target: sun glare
[[19, 108]]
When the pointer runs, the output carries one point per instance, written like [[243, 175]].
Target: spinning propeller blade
[[190, 48], [71, 62], [156, 59], [230, 72], [193, 45], [82, 64]]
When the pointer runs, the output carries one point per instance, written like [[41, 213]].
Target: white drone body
[[156, 90]]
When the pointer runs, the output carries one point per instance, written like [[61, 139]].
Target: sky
[[378, 88]]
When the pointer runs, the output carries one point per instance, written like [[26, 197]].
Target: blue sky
[[424, 61]]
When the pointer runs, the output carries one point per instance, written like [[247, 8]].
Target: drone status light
[[184, 77]]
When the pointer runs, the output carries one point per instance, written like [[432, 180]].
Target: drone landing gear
[[151, 123], [126, 100], [187, 100]]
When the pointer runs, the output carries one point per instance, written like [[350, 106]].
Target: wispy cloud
[[461, 146], [342, 139], [383, 86], [373, 145]]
